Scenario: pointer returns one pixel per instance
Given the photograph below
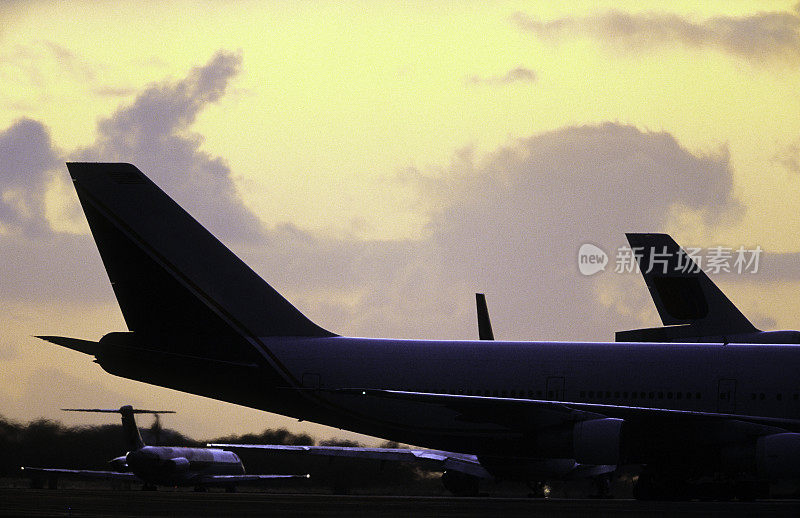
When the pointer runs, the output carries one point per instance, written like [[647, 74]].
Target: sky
[[380, 162]]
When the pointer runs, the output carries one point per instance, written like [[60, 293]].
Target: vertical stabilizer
[[171, 277], [133, 439], [484, 324], [681, 290]]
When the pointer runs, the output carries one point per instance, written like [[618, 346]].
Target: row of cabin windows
[[779, 396], [607, 394], [591, 394]]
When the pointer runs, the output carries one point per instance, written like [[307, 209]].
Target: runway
[[92, 503]]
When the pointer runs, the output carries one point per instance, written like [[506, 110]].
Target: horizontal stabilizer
[[84, 346], [118, 410]]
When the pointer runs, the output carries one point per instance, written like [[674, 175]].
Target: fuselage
[[744, 379], [165, 465]]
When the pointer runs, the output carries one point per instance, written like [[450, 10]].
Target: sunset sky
[[380, 162]]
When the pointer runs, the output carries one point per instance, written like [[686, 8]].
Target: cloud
[[758, 38], [509, 224], [516, 75], [154, 132], [789, 157], [28, 160]]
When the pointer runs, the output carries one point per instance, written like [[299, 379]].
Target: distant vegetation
[[47, 443]]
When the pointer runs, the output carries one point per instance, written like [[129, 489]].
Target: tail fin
[[133, 439], [172, 277], [484, 324], [683, 294]]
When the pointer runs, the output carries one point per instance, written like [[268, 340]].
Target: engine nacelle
[[778, 456], [119, 464], [597, 441], [177, 464]]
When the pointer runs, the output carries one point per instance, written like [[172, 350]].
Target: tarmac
[[168, 503]]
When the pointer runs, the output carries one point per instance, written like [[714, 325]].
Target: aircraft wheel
[[660, 486], [539, 489]]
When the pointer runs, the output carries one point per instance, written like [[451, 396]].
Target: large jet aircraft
[[199, 320], [162, 465], [692, 308]]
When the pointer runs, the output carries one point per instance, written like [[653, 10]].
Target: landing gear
[[658, 485], [539, 489], [653, 485], [461, 484], [602, 484]]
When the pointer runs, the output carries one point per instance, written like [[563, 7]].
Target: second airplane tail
[[690, 305]]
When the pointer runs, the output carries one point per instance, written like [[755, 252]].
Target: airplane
[[162, 465], [462, 474], [692, 308], [201, 321]]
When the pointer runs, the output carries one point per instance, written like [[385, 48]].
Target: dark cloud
[[28, 159], [516, 75], [510, 225], [759, 38], [154, 132], [523, 212]]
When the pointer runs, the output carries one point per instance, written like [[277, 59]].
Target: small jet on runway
[[163, 465]]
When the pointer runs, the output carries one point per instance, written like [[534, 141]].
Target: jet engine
[[119, 464], [597, 441], [778, 456], [177, 464], [594, 441]]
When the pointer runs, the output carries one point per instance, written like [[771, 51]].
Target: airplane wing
[[81, 473], [230, 480], [434, 460], [515, 413]]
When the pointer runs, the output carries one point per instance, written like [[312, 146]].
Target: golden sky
[[377, 129]]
